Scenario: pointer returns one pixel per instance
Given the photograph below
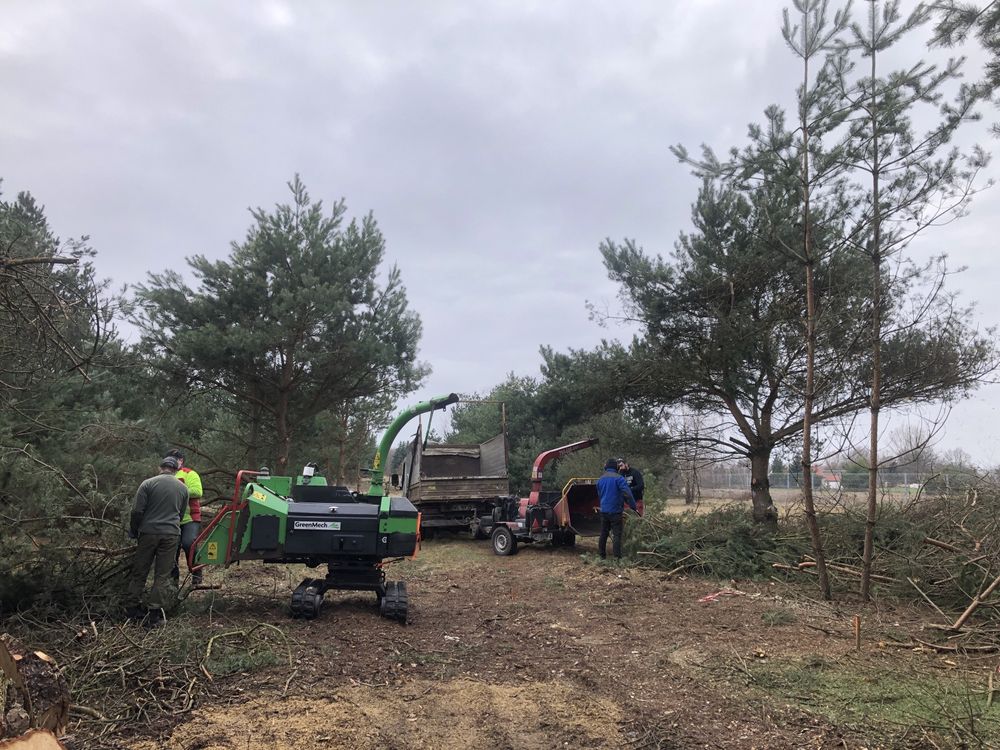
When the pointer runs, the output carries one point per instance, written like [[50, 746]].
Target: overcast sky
[[496, 142]]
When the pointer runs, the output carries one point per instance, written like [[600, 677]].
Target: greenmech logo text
[[317, 525]]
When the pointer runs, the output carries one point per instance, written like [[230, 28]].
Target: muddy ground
[[551, 649]]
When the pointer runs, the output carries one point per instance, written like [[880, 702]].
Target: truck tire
[[504, 542]]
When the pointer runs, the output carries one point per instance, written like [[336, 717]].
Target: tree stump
[[36, 739], [33, 692]]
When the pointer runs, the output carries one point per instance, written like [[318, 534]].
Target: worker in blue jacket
[[614, 492]]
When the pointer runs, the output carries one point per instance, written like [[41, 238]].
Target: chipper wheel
[[395, 601], [504, 542], [307, 599], [564, 539]]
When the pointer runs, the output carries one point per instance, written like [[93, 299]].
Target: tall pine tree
[[297, 321]]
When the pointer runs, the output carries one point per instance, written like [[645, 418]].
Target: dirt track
[[540, 650]]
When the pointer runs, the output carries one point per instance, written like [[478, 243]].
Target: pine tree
[[293, 324], [914, 181]]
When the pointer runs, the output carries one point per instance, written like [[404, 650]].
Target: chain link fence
[[898, 482]]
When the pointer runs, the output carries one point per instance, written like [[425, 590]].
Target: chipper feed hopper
[[555, 517], [280, 519]]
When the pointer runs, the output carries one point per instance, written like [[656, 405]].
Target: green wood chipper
[[281, 519]]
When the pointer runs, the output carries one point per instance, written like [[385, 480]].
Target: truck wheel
[[504, 543], [569, 539]]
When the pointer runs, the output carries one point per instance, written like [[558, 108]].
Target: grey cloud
[[497, 143]]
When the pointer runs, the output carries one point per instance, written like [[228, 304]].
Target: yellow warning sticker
[[259, 496], [213, 551]]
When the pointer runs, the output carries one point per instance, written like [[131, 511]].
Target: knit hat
[[169, 462]]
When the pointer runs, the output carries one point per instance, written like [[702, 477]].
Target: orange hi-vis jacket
[[193, 482]]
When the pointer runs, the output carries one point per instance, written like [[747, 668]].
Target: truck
[[455, 485]]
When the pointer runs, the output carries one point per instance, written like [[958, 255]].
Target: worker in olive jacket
[[156, 525]]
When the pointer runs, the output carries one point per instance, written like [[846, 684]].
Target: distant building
[[828, 478]]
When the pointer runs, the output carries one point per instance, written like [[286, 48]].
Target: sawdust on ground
[[539, 650], [451, 715]]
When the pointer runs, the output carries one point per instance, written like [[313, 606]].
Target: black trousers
[[189, 532], [610, 522]]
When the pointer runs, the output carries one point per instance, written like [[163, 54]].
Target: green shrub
[[726, 544]]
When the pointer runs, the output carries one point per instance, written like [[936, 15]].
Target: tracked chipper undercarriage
[[302, 519]]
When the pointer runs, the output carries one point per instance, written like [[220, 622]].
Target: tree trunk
[[253, 449], [341, 451], [760, 488], [807, 473], [810, 396], [876, 396], [284, 433]]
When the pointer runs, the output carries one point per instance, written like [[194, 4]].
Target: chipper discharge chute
[[279, 519], [555, 517]]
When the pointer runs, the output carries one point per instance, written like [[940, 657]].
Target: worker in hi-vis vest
[[191, 520]]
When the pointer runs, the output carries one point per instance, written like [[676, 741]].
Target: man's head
[[178, 456], [169, 464], [622, 465], [611, 465]]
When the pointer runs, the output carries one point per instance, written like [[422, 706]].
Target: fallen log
[[942, 545], [810, 563], [971, 649], [974, 605]]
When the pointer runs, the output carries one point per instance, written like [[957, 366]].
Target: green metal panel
[[383, 514], [317, 480], [213, 550], [278, 485], [262, 501], [401, 525], [390, 524], [282, 486]]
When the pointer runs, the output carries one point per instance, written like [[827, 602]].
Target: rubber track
[[396, 602]]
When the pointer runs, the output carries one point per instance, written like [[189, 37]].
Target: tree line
[[793, 304], [298, 343]]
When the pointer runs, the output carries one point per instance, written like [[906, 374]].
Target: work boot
[[155, 619], [197, 579], [134, 613]]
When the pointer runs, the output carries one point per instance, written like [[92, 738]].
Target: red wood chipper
[[554, 517]]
